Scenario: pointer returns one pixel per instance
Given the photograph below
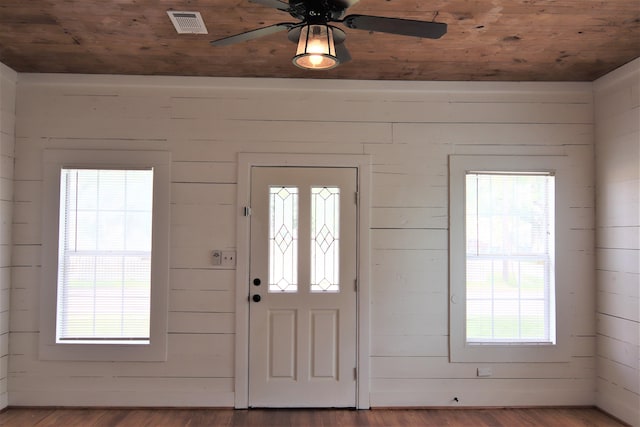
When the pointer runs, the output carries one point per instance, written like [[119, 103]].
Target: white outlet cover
[[229, 258], [485, 372]]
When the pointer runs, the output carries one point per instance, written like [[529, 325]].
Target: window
[[104, 255], [324, 239], [504, 237], [283, 239], [509, 257], [105, 265]]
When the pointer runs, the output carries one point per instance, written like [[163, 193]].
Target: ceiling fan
[[321, 45]]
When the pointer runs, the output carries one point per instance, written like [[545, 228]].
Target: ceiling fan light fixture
[[316, 48]]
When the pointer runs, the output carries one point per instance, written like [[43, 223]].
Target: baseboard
[[451, 408], [609, 414], [119, 408]]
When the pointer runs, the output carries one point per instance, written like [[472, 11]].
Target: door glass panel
[[283, 239], [325, 238]]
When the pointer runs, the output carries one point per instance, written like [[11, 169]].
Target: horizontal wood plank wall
[[8, 80], [409, 129], [617, 100]]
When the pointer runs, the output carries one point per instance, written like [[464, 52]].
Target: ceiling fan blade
[[276, 4], [253, 34], [342, 53], [347, 3], [405, 27]]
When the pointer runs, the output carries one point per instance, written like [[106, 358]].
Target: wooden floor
[[307, 418]]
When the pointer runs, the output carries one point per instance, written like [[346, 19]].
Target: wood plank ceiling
[[491, 40]]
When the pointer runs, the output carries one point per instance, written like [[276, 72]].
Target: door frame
[[362, 164]]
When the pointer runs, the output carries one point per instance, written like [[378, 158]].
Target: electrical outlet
[[485, 372], [229, 258], [216, 257]]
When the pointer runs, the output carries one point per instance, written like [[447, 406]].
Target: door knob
[[256, 298], [256, 282]]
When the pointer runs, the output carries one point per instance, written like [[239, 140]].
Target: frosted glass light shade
[[316, 49]]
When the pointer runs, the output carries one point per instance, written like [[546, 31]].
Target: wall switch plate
[[229, 258], [216, 257], [485, 372]]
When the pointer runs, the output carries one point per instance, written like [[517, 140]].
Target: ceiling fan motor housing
[[317, 12]]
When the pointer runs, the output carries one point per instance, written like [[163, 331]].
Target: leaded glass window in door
[[283, 239], [325, 238]]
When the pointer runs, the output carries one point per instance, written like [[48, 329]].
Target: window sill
[[103, 352]]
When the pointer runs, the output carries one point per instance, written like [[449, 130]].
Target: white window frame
[[460, 349], [54, 162]]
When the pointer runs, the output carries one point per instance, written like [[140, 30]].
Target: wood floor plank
[[27, 417], [82, 417]]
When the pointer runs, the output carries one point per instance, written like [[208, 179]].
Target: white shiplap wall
[[617, 100], [409, 129], [8, 80]]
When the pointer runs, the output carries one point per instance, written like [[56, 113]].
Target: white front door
[[302, 318]]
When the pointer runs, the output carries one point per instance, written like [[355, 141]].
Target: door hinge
[[355, 285], [355, 373], [246, 211], [356, 198]]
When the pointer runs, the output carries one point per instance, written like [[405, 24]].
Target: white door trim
[[245, 162]]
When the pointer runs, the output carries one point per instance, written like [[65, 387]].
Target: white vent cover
[[187, 22]]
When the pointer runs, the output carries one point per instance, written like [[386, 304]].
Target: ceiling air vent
[[187, 22]]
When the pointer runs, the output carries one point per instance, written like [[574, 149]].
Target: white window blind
[[509, 258], [104, 256]]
